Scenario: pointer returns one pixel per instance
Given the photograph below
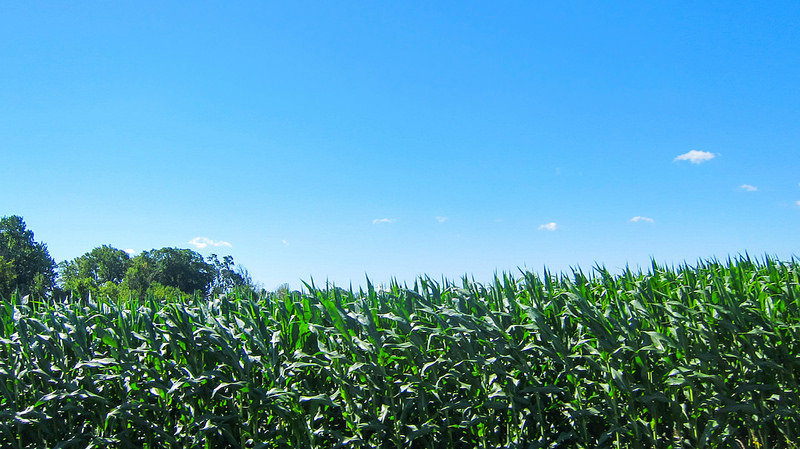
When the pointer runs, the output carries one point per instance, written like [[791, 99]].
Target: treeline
[[26, 266]]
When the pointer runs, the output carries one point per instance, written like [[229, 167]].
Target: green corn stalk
[[703, 356]]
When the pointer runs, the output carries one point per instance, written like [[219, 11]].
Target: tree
[[34, 271], [226, 275], [7, 277], [87, 273], [183, 269]]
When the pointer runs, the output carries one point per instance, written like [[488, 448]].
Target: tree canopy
[[226, 275], [93, 270], [25, 264], [106, 270], [183, 269]]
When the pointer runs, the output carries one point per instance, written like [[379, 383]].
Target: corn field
[[686, 357]]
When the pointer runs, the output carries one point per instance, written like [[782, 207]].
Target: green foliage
[[156, 290], [112, 291], [686, 358], [8, 276], [27, 264], [182, 269], [226, 276], [110, 272], [86, 274]]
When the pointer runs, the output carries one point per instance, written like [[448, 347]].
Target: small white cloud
[[639, 218], [552, 226], [441, 219], [748, 188], [285, 242], [696, 157], [798, 203], [130, 251], [202, 242], [383, 220]]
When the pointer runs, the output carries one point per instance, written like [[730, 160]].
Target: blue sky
[[335, 140]]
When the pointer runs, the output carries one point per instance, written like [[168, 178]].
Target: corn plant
[[686, 357]]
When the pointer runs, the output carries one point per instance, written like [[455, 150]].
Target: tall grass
[[687, 357]]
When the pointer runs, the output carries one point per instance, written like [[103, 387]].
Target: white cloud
[[798, 203], [130, 251], [748, 187], [640, 218], [552, 226], [202, 242], [696, 157], [285, 242], [441, 219], [383, 220]]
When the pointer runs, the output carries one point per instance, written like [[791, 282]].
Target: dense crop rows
[[705, 356]]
